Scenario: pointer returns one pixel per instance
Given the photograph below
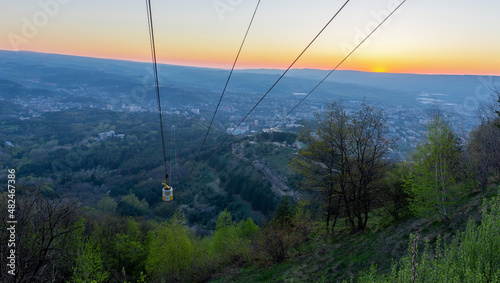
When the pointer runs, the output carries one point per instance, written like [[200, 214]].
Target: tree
[[484, 150], [484, 146], [394, 194], [107, 204], [289, 228], [89, 265], [343, 161], [47, 238], [434, 182], [285, 212], [171, 252], [130, 205], [131, 248], [498, 111], [489, 110], [496, 90], [227, 242]]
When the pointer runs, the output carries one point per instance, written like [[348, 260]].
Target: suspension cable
[[225, 86], [155, 69], [340, 63], [279, 79]]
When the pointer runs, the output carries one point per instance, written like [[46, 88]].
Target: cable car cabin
[[167, 193]]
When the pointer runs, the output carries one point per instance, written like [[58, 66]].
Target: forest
[[89, 208]]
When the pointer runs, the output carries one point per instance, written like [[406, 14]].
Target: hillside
[[338, 258]]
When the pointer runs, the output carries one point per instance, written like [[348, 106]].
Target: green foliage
[[280, 137], [130, 205], [107, 204], [285, 212], [394, 196], [472, 256], [124, 243], [231, 242], [176, 255], [434, 184], [247, 229], [131, 251], [243, 179], [89, 265], [171, 252], [166, 209]]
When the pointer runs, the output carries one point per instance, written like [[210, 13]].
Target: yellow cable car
[[167, 192]]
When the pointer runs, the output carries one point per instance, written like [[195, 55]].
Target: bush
[[171, 253], [290, 228], [232, 243], [89, 265]]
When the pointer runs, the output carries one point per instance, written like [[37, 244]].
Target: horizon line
[[246, 68]]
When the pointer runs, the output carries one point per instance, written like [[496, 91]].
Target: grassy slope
[[337, 258]]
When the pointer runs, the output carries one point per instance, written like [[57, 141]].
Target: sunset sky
[[424, 36]]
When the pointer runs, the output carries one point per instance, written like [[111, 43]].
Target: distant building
[[293, 125], [271, 130], [177, 112], [195, 110], [106, 135], [135, 108], [239, 131], [299, 145]]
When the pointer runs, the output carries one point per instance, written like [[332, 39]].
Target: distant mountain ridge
[[18, 66]]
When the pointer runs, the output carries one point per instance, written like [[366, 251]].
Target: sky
[[424, 36]]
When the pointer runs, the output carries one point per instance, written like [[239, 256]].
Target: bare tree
[[484, 146], [343, 161], [489, 110], [47, 233], [484, 151]]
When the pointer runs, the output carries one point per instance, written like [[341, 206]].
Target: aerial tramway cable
[[340, 63], [167, 192], [279, 79], [225, 86]]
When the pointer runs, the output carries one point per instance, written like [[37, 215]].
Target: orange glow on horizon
[[258, 61]]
